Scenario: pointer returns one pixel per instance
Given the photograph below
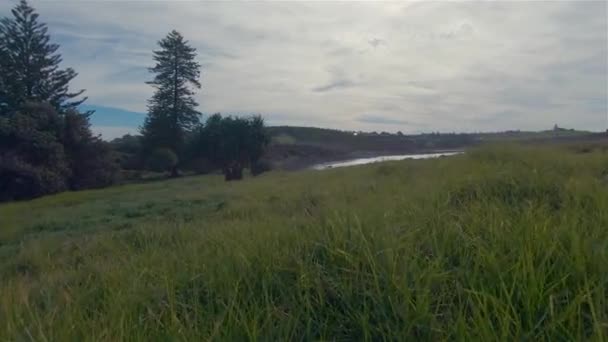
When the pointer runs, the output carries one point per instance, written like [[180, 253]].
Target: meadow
[[501, 243]]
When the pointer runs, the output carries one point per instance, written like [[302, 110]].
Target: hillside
[[502, 243], [299, 147]]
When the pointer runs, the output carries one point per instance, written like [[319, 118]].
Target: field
[[502, 243]]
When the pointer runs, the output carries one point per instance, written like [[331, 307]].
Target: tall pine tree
[[172, 109], [29, 64], [46, 145]]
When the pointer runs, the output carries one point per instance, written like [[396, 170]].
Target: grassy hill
[[502, 243]]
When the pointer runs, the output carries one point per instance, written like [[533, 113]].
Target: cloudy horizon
[[392, 66]]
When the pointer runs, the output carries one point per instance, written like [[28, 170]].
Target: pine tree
[[172, 109], [46, 144], [29, 64]]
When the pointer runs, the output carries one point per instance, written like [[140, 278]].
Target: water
[[361, 161]]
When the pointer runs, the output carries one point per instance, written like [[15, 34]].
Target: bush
[[92, 162], [33, 162], [260, 167], [200, 166], [162, 159], [128, 151], [232, 143], [22, 180], [131, 175], [96, 169]]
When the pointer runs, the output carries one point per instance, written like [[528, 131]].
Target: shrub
[[260, 167], [96, 168], [200, 166], [20, 179], [128, 151], [91, 159], [33, 162], [162, 159], [232, 143]]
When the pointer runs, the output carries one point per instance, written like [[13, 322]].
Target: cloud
[[334, 85], [440, 66], [376, 42], [377, 119]]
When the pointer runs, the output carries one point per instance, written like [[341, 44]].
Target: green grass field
[[503, 243]]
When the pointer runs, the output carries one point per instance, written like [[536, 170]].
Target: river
[[361, 161]]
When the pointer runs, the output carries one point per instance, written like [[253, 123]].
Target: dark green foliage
[[29, 64], [46, 145], [91, 159], [43, 152], [199, 165], [231, 143], [128, 150], [172, 109], [127, 144], [260, 167], [33, 161], [257, 140], [162, 159]]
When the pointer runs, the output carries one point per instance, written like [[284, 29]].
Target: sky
[[416, 66]]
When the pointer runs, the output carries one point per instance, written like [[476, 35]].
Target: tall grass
[[503, 243]]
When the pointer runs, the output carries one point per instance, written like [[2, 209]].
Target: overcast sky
[[409, 66]]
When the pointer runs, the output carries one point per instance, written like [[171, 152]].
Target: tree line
[[46, 143]]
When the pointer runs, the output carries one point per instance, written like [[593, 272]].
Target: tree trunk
[[226, 172], [234, 171], [174, 172], [238, 173]]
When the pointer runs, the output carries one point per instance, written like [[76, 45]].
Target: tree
[[162, 159], [43, 152], [33, 161], [29, 64], [232, 143], [172, 109], [46, 145], [128, 151], [258, 140], [91, 160]]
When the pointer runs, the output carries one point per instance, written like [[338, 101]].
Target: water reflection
[[361, 161]]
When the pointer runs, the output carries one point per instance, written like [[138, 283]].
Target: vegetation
[[163, 159], [300, 147], [172, 109], [501, 243], [46, 145], [30, 64], [348, 140], [232, 143]]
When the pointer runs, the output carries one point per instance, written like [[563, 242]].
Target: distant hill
[[350, 140], [295, 147]]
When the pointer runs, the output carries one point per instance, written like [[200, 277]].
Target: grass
[[503, 243]]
